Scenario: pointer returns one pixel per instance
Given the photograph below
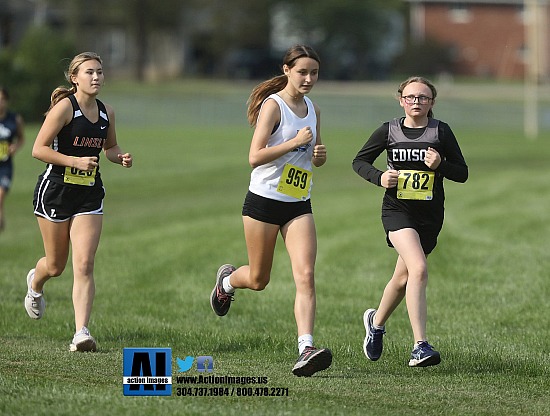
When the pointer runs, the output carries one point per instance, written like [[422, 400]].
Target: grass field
[[172, 219]]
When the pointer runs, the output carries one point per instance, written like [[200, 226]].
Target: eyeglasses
[[422, 99]]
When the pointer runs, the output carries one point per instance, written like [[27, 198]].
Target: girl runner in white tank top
[[285, 145]]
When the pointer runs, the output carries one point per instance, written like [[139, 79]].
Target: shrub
[[34, 69]]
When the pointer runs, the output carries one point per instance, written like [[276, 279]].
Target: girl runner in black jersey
[[12, 139], [68, 198], [421, 151]]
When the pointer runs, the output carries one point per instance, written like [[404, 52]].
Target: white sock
[[227, 285], [34, 293], [304, 341]]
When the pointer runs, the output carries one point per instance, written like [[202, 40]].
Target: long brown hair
[[422, 80], [61, 92], [276, 84]]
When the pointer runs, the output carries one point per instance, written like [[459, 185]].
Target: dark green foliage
[[34, 70]]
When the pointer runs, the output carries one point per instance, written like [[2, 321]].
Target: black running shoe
[[372, 345], [423, 355], [220, 300], [311, 361]]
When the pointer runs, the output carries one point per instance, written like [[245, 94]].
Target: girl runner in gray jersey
[[421, 152]]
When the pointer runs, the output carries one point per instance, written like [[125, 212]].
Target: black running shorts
[[273, 211], [393, 220], [6, 175], [57, 202]]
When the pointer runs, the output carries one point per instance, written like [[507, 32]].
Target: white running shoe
[[83, 341], [34, 302]]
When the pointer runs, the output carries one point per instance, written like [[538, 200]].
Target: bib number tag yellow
[[295, 182], [79, 177], [415, 184], [4, 150]]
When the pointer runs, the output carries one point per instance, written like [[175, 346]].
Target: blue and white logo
[[147, 371]]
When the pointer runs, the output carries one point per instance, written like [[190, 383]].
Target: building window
[[459, 13]]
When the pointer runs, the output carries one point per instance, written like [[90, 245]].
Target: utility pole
[[532, 69]]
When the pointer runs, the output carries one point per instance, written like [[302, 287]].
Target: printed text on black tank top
[[96, 142], [408, 155]]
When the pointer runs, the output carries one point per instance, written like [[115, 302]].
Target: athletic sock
[[34, 293], [304, 341], [377, 326], [227, 285]]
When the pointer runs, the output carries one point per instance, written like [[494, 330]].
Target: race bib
[[295, 182], [79, 177], [415, 184], [4, 150]]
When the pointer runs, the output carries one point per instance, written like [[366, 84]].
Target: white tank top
[[264, 179]]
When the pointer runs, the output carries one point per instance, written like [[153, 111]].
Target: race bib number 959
[[414, 184], [295, 182]]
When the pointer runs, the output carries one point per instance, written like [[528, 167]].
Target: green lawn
[[172, 219]]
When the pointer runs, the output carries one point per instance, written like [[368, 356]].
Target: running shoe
[[423, 355], [220, 300], [372, 345], [83, 341], [312, 360], [34, 302]]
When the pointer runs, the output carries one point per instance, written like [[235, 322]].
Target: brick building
[[487, 38]]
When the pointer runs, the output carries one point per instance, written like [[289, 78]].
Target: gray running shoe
[[220, 300], [312, 360]]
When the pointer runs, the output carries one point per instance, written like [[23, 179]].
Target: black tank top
[[406, 150], [80, 138]]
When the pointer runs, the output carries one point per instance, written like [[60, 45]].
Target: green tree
[[139, 17], [349, 33], [33, 70]]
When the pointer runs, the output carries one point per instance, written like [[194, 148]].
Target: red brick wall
[[489, 44]]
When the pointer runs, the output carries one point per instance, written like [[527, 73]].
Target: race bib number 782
[[415, 184]]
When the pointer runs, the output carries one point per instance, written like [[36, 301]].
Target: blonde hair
[[62, 92], [277, 83], [422, 80]]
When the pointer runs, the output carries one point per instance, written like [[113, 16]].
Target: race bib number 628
[[79, 177]]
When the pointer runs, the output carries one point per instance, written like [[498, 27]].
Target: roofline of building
[[480, 2]]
